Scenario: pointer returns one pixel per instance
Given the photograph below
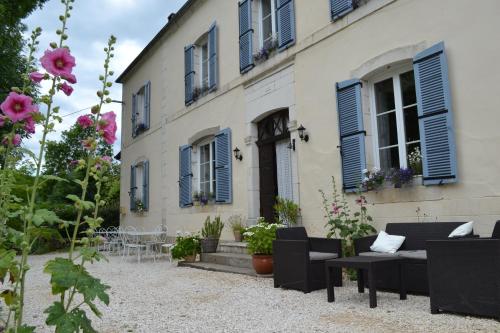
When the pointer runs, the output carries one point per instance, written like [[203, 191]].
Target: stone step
[[229, 259], [233, 247], [223, 268]]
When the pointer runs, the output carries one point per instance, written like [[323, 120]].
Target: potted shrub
[[203, 198], [260, 245], [186, 247], [139, 206], [287, 211], [238, 227], [373, 179], [415, 161], [211, 234]]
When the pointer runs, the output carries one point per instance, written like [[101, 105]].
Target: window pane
[[267, 24], [384, 96], [204, 64], [411, 124], [389, 158], [387, 130], [204, 154], [408, 88]]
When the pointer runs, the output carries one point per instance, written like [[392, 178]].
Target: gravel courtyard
[[160, 297]]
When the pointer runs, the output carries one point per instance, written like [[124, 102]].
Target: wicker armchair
[[464, 276], [299, 260]]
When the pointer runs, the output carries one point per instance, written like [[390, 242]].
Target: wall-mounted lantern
[[303, 134], [237, 154]]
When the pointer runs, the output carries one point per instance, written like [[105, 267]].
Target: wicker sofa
[[464, 276], [413, 249], [299, 260]]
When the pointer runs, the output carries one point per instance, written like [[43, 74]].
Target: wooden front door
[[268, 180], [272, 129]]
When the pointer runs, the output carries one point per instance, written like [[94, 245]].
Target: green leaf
[[42, 216], [74, 321], [80, 203], [51, 177], [23, 329]]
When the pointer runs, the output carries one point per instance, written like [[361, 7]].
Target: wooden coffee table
[[361, 263]]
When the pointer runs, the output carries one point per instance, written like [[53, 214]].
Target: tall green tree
[[12, 62]]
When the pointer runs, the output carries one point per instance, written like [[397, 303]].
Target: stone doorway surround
[[263, 97]]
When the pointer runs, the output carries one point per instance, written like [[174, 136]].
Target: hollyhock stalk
[[26, 245]]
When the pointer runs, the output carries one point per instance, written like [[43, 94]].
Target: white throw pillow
[[386, 243], [462, 230]]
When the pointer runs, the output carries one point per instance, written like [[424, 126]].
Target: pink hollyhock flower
[[87, 144], [107, 159], [16, 140], [335, 209], [85, 121], [66, 88], [36, 77], [17, 106], [58, 62], [70, 78], [29, 126], [107, 127]]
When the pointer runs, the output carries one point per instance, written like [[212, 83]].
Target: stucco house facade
[[365, 81]]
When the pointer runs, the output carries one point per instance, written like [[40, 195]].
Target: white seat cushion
[[413, 254], [322, 255], [378, 254], [386, 243], [462, 230]]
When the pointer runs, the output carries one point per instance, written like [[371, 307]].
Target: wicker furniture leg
[[329, 284], [361, 281], [373, 287]]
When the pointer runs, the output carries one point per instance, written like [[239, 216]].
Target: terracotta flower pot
[[262, 263], [191, 258], [237, 236]]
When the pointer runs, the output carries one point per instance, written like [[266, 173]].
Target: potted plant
[[238, 227], [196, 198], [287, 211], [373, 179], [139, 206], [211, 234], [415, 161], [186, 247], [203, 198], [260, 245], [401, 176]]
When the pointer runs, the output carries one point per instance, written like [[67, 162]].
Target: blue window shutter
[[189, 73], [352, 133], [437, 137], [246, 36], [223, 167], [185, 176], [339, 8], [285, 13], [212, 52], [145, 184], [134, 115], [132, 188], [147, 104]]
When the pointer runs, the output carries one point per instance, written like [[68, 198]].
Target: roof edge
[[155, 39]]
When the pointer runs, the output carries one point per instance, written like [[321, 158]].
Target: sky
[[133, 22]]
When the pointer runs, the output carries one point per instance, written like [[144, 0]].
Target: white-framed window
[[140, 112], [394, 117], [203, 59], [267, 23], [206, 167], [139, 181]]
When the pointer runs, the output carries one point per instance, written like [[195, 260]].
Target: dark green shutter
[[223, 167], [185, 176], [437, 137], [352, 133]]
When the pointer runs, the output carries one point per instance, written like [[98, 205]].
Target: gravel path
[[160, 297]]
